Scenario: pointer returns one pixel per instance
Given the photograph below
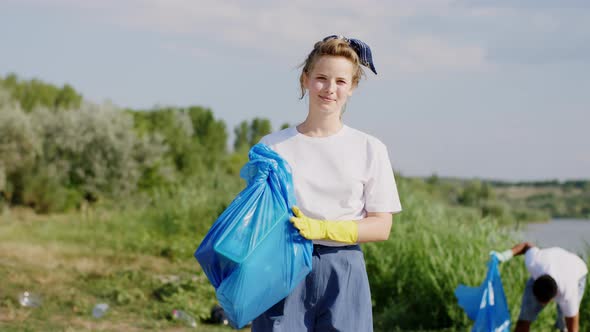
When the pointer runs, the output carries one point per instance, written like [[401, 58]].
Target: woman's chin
[[329, 110]]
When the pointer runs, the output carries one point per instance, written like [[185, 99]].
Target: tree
[[197, 141], [249, 134], [258, 129], [241, 132], [210, 133], [20, 147], [35, 93], [475, 192]]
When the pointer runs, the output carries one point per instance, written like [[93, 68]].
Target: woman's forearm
[[375, 227]]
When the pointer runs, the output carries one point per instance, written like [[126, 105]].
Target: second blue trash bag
[[252, 254], [486, 305]]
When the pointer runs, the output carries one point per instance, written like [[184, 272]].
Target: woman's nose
[[331, 86]]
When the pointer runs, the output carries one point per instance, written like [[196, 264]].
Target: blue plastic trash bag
[[486, 304], [252, 254]]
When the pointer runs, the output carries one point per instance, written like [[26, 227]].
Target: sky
[[473, 89]]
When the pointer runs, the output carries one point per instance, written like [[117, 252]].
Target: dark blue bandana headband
[[363, 50]]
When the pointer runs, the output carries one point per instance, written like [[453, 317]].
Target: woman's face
[[329, 84]]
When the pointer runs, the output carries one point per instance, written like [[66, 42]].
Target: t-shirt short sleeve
[[530, 261], [569, 304], [380, 189]]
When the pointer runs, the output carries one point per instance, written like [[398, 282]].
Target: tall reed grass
[[432, 249]]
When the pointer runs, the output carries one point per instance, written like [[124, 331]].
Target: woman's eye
[[342, 82]]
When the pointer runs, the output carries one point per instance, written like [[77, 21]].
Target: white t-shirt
[[563, 266], [338, 177]]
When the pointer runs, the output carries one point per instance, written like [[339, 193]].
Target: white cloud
[[282, 28], [501, 33], [427, 53]]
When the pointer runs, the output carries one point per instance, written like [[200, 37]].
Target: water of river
[[570, 234]]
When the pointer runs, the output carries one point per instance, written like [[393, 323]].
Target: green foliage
[[499, 211], [45, 192], [20, 147], [137, 257], [196, 140], [529, 214], [481, 195], [235, 161], [475, 192], [52, 160], [431, 250], [566, 199], [34, 93], [93, 147], [433, 180], [570, 199], [196, 298], [248, 135], [210, 133]]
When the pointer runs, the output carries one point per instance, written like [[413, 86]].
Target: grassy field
[[72, 266], [136, 257], [139, 261]]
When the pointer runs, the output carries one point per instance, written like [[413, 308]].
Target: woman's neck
[[320, 126]]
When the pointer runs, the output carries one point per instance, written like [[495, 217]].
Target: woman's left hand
[[314, 229]]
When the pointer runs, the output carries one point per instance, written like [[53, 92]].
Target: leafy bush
[[499, 211], [31, 94], [93, 148], [475, 192], [52, 160], [45, 192], [196, 140], [20, 146]]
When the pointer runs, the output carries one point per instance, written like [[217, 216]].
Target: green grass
[[138, 259], [51, 258], [432, 249]]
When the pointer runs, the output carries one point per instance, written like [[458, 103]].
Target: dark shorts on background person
[[530, 307], [335, 296]]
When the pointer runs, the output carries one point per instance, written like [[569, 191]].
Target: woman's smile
[[330, 82]]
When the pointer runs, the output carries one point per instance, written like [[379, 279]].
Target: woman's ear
[[304, 81]]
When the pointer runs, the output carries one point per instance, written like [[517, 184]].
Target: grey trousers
[[335, 296]]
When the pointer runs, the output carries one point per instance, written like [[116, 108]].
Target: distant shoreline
[[570, 234]]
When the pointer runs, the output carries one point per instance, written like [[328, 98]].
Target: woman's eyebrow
[[337, 77]]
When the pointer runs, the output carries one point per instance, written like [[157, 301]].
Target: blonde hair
[[331, 47]]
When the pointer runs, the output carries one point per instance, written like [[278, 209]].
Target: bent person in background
[[556, 274]]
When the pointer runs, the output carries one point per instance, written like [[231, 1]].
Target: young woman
[[346, 194]]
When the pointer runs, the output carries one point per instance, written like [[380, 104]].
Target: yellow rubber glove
[[314, 229]]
